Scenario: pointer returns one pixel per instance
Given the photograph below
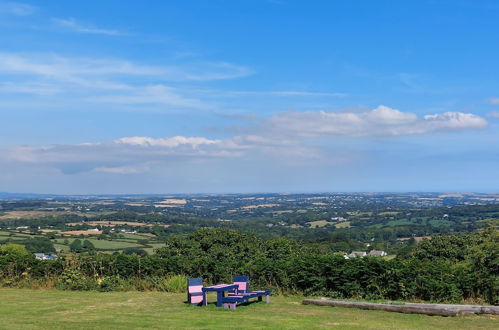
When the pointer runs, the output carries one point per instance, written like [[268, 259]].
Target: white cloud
[[124, 155], [382, 121], [72, 24], [16, 8], [172, 142], [291, 137]]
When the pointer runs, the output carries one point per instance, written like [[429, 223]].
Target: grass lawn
[[53, 309]]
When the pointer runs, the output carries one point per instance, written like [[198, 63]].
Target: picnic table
[[220, 289]]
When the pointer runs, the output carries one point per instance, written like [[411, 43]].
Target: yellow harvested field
[[27, 214], [174, 201], [319, 223], [345, 224], [319, 204], [249, 207]]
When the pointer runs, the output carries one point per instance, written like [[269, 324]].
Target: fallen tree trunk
[[409, 308]]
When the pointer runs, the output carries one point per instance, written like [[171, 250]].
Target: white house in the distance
[[43, 256], [362, 254], [375, 253]]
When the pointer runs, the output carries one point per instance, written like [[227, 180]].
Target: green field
[[154, 247], [53, 309], [104, 245]]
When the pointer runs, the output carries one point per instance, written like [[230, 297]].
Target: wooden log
[[490, 310], [466, 309], [411, 309]]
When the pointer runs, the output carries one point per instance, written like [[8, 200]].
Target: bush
[[432, 273], [177, 283], [72, 279], [113, 283]]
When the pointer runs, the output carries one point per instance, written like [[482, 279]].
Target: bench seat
[[231, 301]]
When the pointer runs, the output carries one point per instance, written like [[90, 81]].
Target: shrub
[[113, 283], [72, 279]]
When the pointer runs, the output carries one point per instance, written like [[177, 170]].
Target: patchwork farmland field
[[53, 309], [145, 242]]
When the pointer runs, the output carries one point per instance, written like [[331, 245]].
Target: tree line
[[447, 268]]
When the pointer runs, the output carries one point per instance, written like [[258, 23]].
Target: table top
[[221, 287]]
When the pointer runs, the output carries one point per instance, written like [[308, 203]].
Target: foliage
[[39, 245], [448, 269], [135, 250]]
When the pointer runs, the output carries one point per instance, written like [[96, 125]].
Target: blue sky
[[249, 96]]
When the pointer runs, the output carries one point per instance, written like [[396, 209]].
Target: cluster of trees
[[446, 268], [78, 247]]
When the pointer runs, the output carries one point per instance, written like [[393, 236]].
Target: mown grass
[[53, 309]]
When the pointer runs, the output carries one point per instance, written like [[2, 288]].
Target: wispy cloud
[[101, 80], [494, 100], [73, 25], [493, 114], [16, 8], [29, 88], [305, 93], [124, 155], [292, 136], [55, 66], [289, 93]]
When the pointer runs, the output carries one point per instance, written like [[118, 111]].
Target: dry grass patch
[[320, 223], [250, 207], [345, 224], [27, 214]]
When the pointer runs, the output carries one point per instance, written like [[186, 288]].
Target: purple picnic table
[[220, 290]]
